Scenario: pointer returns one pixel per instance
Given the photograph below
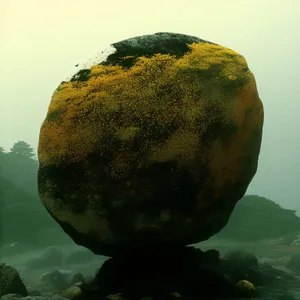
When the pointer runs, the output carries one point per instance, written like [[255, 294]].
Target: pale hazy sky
[[41, 41]]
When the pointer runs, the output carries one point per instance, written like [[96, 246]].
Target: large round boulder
[[152, 143]]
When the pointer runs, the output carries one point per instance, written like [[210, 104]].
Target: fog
[[42, 41]]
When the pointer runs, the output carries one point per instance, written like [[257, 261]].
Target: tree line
[[20, 148], [23, 218], [20, 166]]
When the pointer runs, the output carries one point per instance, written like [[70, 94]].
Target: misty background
[[42, 41]]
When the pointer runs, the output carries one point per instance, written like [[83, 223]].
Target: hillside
[[23, 218], [256, 218]]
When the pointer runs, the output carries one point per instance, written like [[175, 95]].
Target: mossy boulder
[[154, 144], [245, 288]]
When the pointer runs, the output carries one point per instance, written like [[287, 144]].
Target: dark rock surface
[[10, 281], [148, 45]]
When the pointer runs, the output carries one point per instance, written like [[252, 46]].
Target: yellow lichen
[[232, 77], [84, 222], [245, 287], [127, 133], [72, 292], [175, 295], [140, 93], [181, 146]]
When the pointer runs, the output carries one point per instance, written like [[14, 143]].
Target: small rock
[[72, 292], [11, 281], [175, 295], [245, 288], [117, 296]]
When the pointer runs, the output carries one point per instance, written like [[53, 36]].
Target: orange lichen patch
[[72, 149], [247, 100], [227, 164], [161, 89]]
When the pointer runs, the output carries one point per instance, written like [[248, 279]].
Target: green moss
[[60, 88], [245, 288], [232, 85], [128, 62], [52, 116], [82, 75], [212, 72]]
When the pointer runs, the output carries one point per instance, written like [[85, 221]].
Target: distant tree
[[20, 167], [2, 156], [23, 149], [2, 152]]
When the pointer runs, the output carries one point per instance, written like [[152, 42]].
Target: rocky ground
[[233, 271]]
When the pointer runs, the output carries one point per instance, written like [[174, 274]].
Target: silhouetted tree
[[20, 167], [22, 148], [2, 151], [2, 156]]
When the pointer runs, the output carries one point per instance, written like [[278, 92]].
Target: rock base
[[182, 272]]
